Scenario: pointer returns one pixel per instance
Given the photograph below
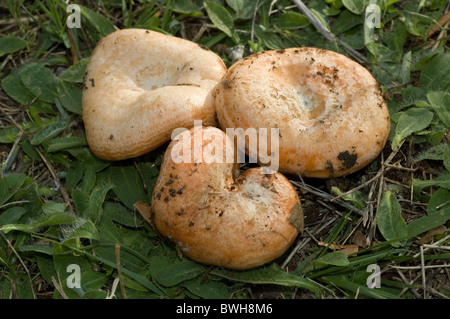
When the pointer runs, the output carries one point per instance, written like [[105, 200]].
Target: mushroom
[[140, 85], [216, 217], [328, 110]]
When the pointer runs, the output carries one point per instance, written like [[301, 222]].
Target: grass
[[62, 206]]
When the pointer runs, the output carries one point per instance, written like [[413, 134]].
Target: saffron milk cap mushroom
[[140, 85], [216, 217], [328, 110]]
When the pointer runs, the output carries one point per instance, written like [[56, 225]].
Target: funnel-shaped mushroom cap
[[140, 85], [328, 110], [216, 218]]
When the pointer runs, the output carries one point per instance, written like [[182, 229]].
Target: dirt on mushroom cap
[[215, 219], [329, 110]]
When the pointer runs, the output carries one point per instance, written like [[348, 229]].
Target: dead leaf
[[359, 239], [428, 237], [441, 22], [145, 210], [346, 249]]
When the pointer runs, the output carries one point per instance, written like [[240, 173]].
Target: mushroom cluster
[[327, 111]]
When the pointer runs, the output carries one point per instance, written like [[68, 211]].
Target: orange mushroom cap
[[140, 85], [328, 110], [215, 218]]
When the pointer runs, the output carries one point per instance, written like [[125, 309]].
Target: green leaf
[[440, 101], [96, 201], [207, 290], [336, 258], [82, 229], [413, 120], [447, 158], [291, 21], [435, 152], [271, 275], [70, 96], [389, 219], [14, 87], [9, 185], [179, 272], [45, 220], [75, 73], [12, 215], [39, 80], [63, 143], [355, 6], [184, 6], [11, 44], [435, 73], [442, 180], [406, 68], [438, 213], [102, 25], [128, 185], [222, 19], [48, 132]]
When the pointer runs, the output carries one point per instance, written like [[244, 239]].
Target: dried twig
[[119, 271]]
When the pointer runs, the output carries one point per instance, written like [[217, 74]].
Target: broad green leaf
[[440, 101], [389, 219], [128, 185], [96, 201], [435, 152], [221, 18], [411, 121], [8, 134], [406, 68], [12, 215], [49, 131], [91, 280], [82, 228], [44, 249], [355, 6], [74, 175], [346, 21], [435, 73], [438, 212], [11, 44], [52, 207], [291, 21], [179, 272], [45, 220], [185, 7], [236, 5], [271, 275], [207, 290], [122, 215], [336, 258], [9, 185], [70, 96], [14, 87], [103, 25], [447, 158], [75, 73], [63, 143], [40, 81], [442, 180]]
